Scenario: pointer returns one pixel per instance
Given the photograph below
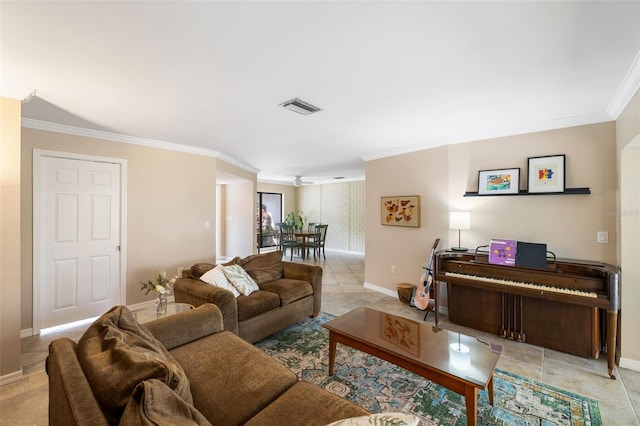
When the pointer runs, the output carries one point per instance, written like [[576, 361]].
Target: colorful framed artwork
[[400, 210], [546, 174], [499, 182]]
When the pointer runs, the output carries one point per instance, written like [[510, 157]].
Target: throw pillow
[[240, 279], [116, 353], [200, 268], [154, 403], [379, 419], [217, 277], [265, 267]]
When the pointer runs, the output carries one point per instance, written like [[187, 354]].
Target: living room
[[170, 192]]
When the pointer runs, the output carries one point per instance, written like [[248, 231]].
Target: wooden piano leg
[[435, 300], [502, 331], [612, 330], [521, 337]]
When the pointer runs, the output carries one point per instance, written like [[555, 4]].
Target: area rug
[[380, 386]]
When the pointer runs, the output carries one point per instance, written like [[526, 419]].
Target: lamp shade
[[459, 220]]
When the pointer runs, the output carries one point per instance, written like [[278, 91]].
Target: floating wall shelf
[[567, 191]]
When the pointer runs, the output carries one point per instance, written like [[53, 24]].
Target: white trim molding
[[11, 377], [631, 364], [22, 94], [134, 140], [581, 120], [627, 89]]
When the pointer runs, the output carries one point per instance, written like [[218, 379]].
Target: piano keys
[[572, 306]]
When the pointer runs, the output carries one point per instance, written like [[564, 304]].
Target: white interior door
[[78, 270]]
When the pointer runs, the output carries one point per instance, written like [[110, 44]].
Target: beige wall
[[240, 219], [424, 173], [237, 212], [10, 244], [169, 195], [628, 215], [566, 223]]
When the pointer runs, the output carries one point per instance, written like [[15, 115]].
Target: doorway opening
[[269, 214]]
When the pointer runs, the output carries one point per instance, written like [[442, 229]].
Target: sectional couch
[[182, 369]]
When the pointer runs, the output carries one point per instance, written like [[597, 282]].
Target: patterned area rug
[[380, 386]]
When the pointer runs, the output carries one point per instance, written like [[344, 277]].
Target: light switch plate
[[602, 237]]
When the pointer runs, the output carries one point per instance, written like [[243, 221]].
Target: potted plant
[[294, 219]]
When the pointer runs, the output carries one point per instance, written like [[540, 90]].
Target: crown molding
[[133, 140], [562, 123], [626, 91], [22, 94]]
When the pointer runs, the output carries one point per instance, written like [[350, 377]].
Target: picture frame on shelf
[[499, 181], [400, 210], [546, 174]]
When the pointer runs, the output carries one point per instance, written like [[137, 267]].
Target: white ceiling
[[390, 77]]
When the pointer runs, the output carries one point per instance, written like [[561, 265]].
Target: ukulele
[[421, 297]]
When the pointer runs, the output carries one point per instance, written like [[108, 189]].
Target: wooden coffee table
[[419, 348]]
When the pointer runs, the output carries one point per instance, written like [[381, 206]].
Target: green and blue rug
[[380, 386]]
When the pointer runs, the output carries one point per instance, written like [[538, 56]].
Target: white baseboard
[[441, 309], [148, 304], [345, 251], [28, 332], [631, 364], [11, 377], [379, 289]]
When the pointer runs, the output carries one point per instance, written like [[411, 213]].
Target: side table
[[149, 314]]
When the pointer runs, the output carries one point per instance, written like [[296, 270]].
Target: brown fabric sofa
[[181, 369], [289, 292]]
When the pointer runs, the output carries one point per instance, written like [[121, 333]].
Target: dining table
[[303, 235]]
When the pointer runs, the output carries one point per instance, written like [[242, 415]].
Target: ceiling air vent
[[301, 107]]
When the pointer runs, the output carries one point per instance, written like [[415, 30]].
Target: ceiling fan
[[297, 181]]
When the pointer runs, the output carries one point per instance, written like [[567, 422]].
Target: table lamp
[[459, 221]]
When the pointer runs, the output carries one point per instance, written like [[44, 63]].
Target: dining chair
[[312, 228], [318, 241], [278, 228], [288, 239]]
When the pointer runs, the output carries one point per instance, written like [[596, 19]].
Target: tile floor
[[26, 402]]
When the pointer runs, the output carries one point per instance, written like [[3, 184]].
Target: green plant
[[294, 219]]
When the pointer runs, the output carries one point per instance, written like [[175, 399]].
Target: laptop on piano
[[531, 255]]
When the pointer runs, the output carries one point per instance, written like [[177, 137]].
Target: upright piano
[[571, 306]]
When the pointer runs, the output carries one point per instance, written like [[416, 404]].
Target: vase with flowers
[[162, 286]]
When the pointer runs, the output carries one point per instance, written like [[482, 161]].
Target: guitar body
[[421, 299]]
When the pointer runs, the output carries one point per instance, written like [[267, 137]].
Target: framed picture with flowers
[[547, 174]]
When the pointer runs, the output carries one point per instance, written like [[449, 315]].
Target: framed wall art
[[400, 210], [546, 174], [499, 182]]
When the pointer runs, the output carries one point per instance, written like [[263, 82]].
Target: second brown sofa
[[289, 292]]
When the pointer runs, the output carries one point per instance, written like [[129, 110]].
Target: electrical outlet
[[602, 237], [393, 269]]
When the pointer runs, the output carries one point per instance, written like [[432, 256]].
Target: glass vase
[[161, 305]]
